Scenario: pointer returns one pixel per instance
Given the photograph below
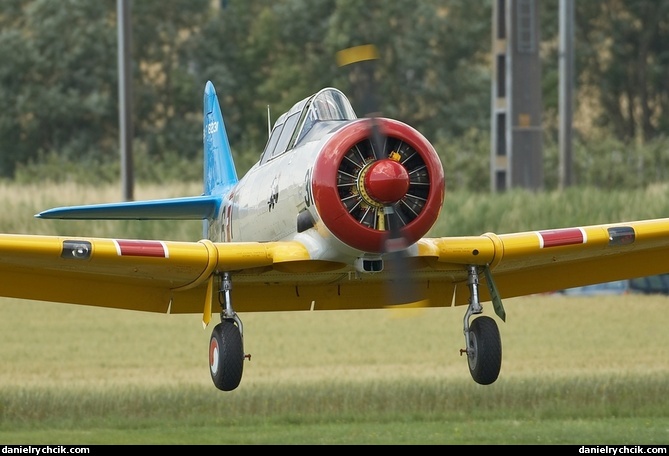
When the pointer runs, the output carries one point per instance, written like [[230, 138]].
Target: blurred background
[[59, 81]]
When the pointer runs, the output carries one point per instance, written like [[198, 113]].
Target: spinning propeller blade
[[402, 288]]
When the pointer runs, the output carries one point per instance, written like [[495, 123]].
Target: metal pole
[[125, 96], [566, 91]]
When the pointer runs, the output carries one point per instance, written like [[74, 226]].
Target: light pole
[[125, 97]]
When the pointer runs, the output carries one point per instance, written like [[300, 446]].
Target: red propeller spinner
[[386, 181]]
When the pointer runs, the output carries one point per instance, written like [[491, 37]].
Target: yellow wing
[[520, 264], [543, 261], [147, 275], [176, 277]]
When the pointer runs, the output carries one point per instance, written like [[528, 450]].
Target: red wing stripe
[[557, 238], [141, 248]]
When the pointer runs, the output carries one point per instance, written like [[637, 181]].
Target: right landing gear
[[226, 346], [226, 356]]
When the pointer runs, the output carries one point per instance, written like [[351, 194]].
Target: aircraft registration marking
[[141, 248], [212, 127], [566, 236]]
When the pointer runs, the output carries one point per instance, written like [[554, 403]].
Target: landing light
[[79, 250]]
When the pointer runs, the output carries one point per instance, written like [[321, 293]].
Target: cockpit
[[328, 105]]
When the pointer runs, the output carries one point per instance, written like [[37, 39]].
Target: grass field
[[576, 370]]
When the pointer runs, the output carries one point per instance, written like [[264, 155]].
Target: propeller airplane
[[332, 216]]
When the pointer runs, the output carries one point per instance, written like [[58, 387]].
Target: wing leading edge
[[145, 275], [549, 260], [168, 276]]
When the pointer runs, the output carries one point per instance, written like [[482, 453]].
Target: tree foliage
[[627, 60], [59, 79]]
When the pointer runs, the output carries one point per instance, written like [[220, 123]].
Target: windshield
[[327, 105]]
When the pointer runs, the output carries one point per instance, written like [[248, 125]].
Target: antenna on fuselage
[[269, 123]]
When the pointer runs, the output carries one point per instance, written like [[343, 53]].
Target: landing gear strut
[[226, 346], [483, 342]]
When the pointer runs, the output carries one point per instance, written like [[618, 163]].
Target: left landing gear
[[226, 346], [484, 344], [484, 350]]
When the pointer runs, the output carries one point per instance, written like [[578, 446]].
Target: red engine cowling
[[354, 188]]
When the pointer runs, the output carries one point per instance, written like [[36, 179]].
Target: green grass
[[463, 213], [20, 203], [467, 213], [575, 371]]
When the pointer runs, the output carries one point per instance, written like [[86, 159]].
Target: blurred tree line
[[59, 81]]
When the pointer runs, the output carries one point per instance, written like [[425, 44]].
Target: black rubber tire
[[485, 348], [226, 356]]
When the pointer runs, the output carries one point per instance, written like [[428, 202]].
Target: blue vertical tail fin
[[219, 166]]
